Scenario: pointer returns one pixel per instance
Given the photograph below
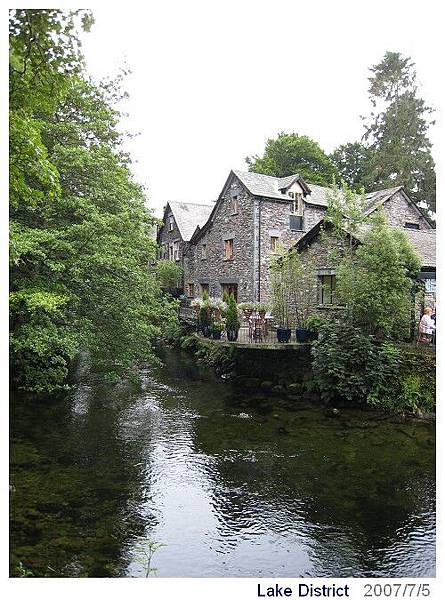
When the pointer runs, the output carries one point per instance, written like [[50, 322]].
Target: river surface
[[231, 483]]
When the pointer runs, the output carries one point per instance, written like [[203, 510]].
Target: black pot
[[303, 335], [232, 335], [283, 334], [216, 335], [206, 331]]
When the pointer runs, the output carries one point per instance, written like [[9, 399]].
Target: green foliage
[[351, 161], [314, 323], [377, 280], [413, 389], [145, 553], [169, 274], [231, 315], [396, 131], [204, 315], [23, 571], [79, 227], [290, 154], [349, 365], [346, 214], [395, 148], [290, 283]]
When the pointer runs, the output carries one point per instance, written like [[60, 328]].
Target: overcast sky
[[211, 81]]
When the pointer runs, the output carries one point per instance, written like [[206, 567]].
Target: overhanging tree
[[80, 230]]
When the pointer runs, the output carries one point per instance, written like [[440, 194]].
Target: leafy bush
[[376, 281], [350, 365], [169, 274]]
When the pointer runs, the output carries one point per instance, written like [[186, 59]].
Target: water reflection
[[234, 485]]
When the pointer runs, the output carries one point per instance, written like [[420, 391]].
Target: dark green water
[[233, 485]]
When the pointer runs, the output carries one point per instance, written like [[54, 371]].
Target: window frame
[[274, 241], [324, 289], [235, 205], [171, 223], [411, 225], [430, 288], [229, 249]]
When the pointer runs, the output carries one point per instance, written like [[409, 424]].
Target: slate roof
[[189, 215], [269, 187], [423, 241], [375, 199]]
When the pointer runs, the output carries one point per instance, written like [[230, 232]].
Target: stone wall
[[215, 270], [167, 237], [274, 220], [399, 211]]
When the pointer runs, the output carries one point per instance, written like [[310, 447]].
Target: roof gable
[[188, 216], [268, 186], [422, 240]]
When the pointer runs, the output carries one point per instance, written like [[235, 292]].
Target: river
[[231, 484]]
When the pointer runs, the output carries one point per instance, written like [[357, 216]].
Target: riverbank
[[288, 371]]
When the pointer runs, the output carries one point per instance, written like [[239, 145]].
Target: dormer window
[[297, 203], [171, 223]]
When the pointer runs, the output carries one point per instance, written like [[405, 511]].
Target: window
[[295, 223], [175, 250], [228, 249], [235, 205], [204, 251], [297, 204], [230, 289], [204, 288], [191, 290], [170, 252], [171, 223], [274, 243], [412, 226], [430, 286], [327, 289]]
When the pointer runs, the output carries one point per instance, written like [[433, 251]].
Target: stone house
[[319, 255], [228, 247], [178, 225]]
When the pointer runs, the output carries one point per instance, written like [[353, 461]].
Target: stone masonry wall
[[399, 211], [275, 222], [215, 270], [169, 237]]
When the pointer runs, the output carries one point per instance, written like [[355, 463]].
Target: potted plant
[[232, 320], [217, 329], [247, 308], [313, 324], [205, 321], [261, 310], [285, 270], [218, 308]]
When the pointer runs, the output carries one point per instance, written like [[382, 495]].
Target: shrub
[[169, 274], [350, 365], [232, 319]]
